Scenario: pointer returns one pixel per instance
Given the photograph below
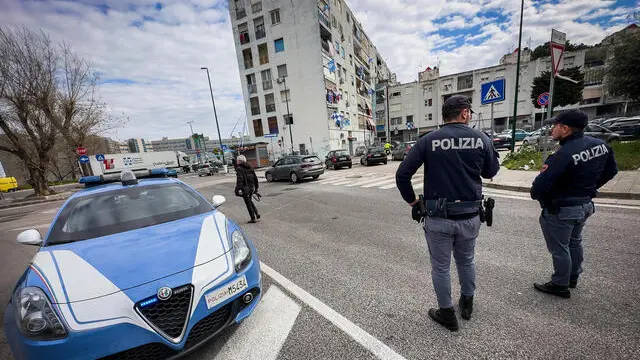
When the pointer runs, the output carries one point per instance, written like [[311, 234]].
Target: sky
[[148, 54]]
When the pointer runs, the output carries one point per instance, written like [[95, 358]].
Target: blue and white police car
[[133, 269]]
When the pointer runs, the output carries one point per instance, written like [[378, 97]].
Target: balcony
[[240, 13], [271, 108], [260, 33], [324, 19], [248, 63], [267, 85], [253, 88], [244, 38], [255, 110]]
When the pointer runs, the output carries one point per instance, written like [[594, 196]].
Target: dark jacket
[[246, 180], [581, 166], [454, 158]]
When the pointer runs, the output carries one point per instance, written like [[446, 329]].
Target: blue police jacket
[[454, 158], [581, 166]]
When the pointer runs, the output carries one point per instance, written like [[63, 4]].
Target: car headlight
[[35, 316], [241, 250]]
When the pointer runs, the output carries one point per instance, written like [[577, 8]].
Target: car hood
[[98, 267]]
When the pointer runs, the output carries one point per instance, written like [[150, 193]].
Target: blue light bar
[[159, 171], [145, 303], [90, 179]]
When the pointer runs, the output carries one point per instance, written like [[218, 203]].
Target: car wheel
[[525, 143], [269, 177], [294, 177], [350, 166], [385, 162], [335, 167], [366, 163], [315, 176]]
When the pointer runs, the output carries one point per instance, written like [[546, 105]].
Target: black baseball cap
[[457, 102], [573, 118]]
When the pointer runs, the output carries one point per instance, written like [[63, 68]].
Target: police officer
[[568, 181], [454, 159]]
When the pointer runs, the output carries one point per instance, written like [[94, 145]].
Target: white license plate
[[343, 158], [378, 154], [221, 294]]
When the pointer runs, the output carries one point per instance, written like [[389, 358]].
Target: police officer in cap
[[454, 158], [568, 181]]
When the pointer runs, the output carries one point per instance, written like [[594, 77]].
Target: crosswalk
[[366, 180]]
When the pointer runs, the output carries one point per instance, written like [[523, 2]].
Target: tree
[[46, 93], [564, 92], [544, 50], [622, 74]]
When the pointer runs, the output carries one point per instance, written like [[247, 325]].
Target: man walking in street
[[454, 159], [568, 181], [246, 186]]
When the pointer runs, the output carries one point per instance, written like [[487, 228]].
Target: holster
[[486, 211]]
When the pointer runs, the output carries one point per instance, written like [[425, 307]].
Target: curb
[[42, 200], [601, 194]]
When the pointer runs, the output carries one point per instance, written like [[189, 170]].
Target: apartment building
[[308, 74], [189, 146], [137, 145], [415, 108]]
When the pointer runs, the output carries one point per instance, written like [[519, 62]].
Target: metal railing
[[255, 110], [240, 13], [248, 64], [271, 108], [324, 19], [253, 88], [267, 85], [260, 33]]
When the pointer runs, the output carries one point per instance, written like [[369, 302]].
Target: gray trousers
[[563, 235], [444, 236]]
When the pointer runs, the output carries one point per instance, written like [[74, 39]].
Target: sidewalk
[[626, 184], [10, 203]]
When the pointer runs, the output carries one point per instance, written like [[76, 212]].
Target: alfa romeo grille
[[168, 317]]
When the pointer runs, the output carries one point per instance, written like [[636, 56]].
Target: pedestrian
[[568, 181], [454, 158], [246, 186]]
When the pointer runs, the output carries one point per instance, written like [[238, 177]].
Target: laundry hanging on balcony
[[331, 65], [333, 96], [360, 71], [370, 60], [337, 118], [332, 50], [410, 125]]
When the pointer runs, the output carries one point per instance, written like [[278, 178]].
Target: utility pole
[[215, 114], [515, 98], [289, 120]]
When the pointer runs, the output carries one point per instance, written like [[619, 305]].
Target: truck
[[115, 163]]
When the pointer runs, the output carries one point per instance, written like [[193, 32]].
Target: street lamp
[[214, 110], [289, 120]]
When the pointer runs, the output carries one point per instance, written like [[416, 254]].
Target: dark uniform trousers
[[251, 207], [562, 232]]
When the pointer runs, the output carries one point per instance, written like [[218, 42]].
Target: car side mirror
[[30, 237], [217, 200]]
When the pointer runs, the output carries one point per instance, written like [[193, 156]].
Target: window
[[240, 11], [255, 106], [270, 103], [243, 30], [284, 95], [267, 84], [465, 82], [395, 107], [251, 84], [409, 118], [258, 24], [263, 54], [396, 93], [288, 119], [430, 117], [348, 18], [248, 58], [428, 102], [334, 23], [282, 71], [256, 7], [275, 17], [257, 127], [408, 90], [279, 44], [273, 125], [396, 121]]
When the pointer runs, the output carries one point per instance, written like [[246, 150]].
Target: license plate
[[221, 294], [343, 158], [378, 154]]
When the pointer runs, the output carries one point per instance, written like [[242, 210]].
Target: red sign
[[81, 151], [556, 55]]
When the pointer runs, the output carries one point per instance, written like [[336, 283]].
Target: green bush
[[627, 154], [527, 158]]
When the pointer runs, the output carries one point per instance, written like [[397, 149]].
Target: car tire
[[366, 163], [350, 166], [294, 177], [385, 162], [269, 177], [335, 167], [525, 143], [315, 177]]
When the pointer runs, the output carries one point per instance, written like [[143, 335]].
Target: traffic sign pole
[[492, 123]]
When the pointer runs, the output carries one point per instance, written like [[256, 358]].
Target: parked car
[[337, 159], [520, 134], [207, 170], [535, 140], [600, 132], [500, 141], [360, 150], [628, 129], [8, 184], [401, 151], [608, 122], [374, 155], [295, 168]]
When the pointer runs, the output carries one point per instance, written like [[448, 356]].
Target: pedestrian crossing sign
[[492, 92]]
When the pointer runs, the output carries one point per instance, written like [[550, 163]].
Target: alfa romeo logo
[[164, 293]]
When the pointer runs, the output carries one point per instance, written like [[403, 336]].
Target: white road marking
[[368, 180], [31, 227], [50, 211], [375, 346], [380, 183], [388, 186], [262, 334]]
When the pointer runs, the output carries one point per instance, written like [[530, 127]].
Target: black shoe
[[466, 306], [553, 289], [573, 283], [252, 221], [258, 216], [445, 317]]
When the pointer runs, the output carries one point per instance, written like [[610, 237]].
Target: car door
[[327, 161], [276, 168]]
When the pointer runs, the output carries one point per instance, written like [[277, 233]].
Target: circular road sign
[[543, 99], [81, 151]]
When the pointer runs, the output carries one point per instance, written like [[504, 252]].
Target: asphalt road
[[355, 250]]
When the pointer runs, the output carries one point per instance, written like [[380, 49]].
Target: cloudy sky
[[148, 54]]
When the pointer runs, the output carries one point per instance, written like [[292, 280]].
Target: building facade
[[308, 63], [190, 146], [139, 145]]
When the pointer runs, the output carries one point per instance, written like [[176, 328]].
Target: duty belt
[[452, 209], [554, 205]]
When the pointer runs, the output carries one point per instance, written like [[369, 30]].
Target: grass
[[627, 154], [527, 158]]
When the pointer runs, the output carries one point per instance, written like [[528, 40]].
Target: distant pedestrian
[[247, 185], [454, 158], [568, 181]]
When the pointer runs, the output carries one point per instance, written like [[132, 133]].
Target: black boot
[[573, 283], [445, 317], [252, 221], [466, 306], [553, 289]]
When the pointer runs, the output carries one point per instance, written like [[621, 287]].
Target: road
[[347, 277]]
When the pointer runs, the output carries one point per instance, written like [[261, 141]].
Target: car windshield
[[342, 153], [205, 166], [310, 159], [125, 209], [376, 150]]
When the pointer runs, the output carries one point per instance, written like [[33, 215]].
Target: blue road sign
[[84, 159], [224, 147], [492, 92], [100, 157], [543, 99]]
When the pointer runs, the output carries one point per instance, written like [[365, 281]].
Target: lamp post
[[289, 120], [214, 109], [515, 101]]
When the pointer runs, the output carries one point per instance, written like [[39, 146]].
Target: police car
[[133, 269]]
